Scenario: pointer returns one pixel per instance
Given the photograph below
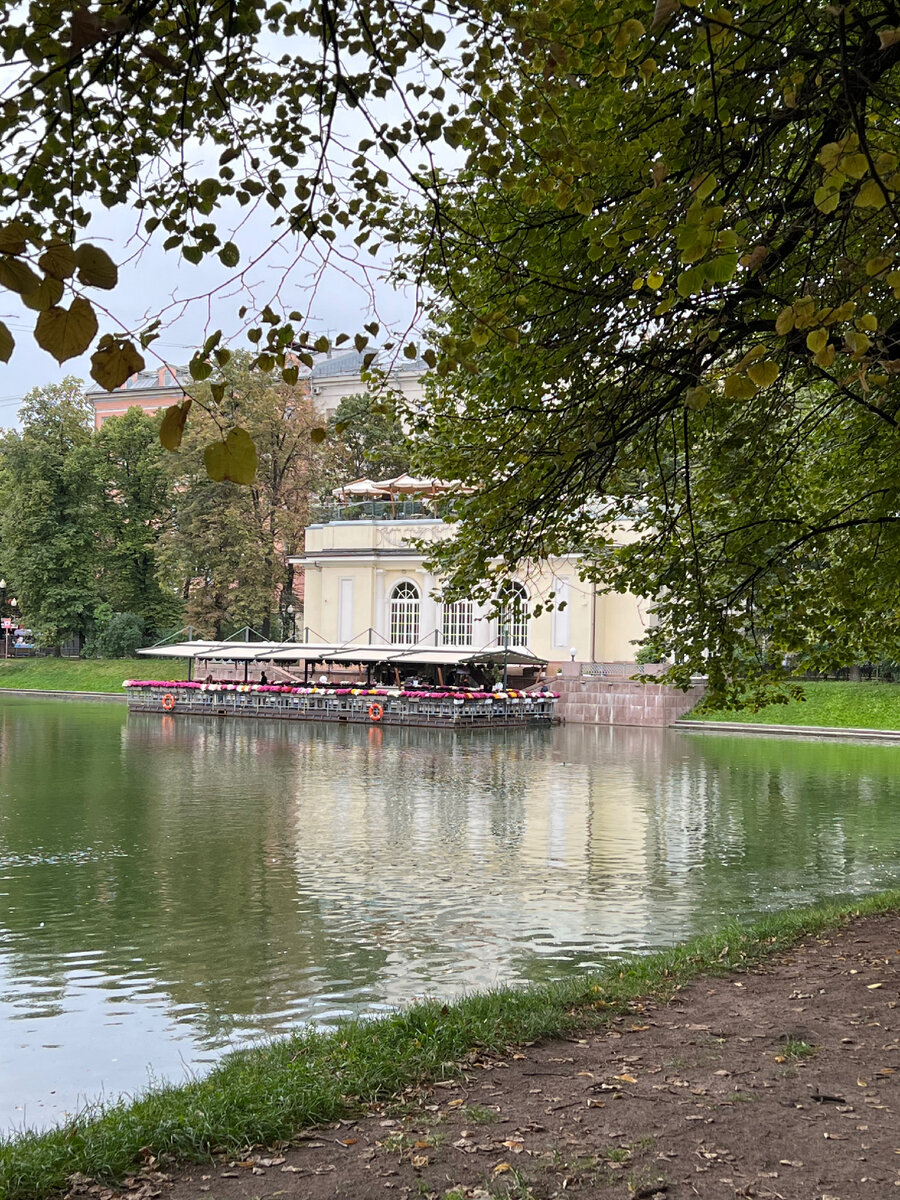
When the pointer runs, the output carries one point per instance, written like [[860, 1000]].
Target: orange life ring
[[168, 701], [376, 711]]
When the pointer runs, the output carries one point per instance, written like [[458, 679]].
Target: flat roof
[[362, 652]]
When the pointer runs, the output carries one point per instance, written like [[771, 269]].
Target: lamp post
[[291, 612], [5, 618], [13, 604]]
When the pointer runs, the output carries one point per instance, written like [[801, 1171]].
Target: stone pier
[[599, 700]]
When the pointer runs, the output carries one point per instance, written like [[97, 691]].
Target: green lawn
[[85, 674], [840, 705]]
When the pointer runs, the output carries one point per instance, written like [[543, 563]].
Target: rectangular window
[[345, 609], [561, 623], [458, 623]]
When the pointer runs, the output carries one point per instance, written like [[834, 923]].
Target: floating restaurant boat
[[370, 704], [363, 706]]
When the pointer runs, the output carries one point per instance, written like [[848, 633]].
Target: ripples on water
[[172, 887]]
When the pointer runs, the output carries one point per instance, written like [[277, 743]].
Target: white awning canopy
[[179, 649], [240, 651]]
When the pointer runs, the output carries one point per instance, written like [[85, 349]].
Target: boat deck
[[364, 706]]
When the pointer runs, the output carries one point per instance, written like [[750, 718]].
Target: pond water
[[171, 887]]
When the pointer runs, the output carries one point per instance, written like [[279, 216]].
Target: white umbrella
[[360, 487]]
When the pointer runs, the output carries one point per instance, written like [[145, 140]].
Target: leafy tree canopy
[[670, 254], [368, 438], [670, 295], [226, 544], [309, 111]]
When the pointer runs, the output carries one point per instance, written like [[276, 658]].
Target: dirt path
[[780, 1083]]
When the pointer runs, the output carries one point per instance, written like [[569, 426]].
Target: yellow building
[[364, 582]]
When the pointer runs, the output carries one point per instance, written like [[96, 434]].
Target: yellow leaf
[[816, 340], [317, 436], [873, 986], [825, 357], [654, 280], [754, 353], [861, 1083], [868, 322], [625, 1078], [739, 387], [804, 311], [870, 195], [826, 200], [66, 333], [879, 263], [95, 267], [501, 1167], [829, 155], [7, 343], [784, 322], [858, 343], [112, 365], [856, 166], [764, 373]]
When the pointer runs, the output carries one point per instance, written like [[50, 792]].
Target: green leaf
[[199, 369], [318, 436], [58, 260], [12, 238], [234, 459], [95, 267], [230, 255], [112, 365], [18, 276], [172, 427], [721, 269], [7, 343], [47, 293], [66, 333], [242, 457], [215, 457], [290, 375]]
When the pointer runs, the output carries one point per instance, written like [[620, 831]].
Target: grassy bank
[[840, 705], [260, 1096], [85, 674]]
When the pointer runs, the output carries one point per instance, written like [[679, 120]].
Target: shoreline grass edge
[[267, 1094]]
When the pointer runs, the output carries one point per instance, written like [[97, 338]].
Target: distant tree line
[[107, 539]]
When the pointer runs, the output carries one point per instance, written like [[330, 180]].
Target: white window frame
[[405, 613], [458, 623], [512, 626]]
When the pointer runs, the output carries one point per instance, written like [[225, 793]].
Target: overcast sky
[[337, 298]]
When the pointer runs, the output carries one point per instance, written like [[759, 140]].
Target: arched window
[[458, 623], [512, 626], [405, 602]]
